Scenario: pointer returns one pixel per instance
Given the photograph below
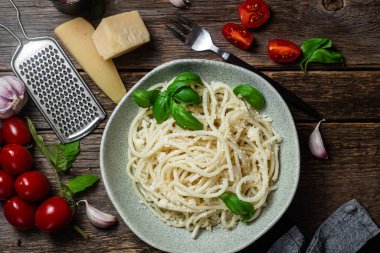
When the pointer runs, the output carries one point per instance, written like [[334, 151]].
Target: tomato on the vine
[[16, 131], [19, 213], [253, 13], [283, 51], [32, 186], [6, 185], [237, 35], [15, 159], [53, 215]]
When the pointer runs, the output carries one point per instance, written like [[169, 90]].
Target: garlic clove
[[12, 96], [98, 218], [181, 3], [316, 144]]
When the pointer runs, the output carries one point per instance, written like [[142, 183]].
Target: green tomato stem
[[80, 231]]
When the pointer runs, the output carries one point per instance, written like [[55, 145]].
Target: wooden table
[[348, 97]]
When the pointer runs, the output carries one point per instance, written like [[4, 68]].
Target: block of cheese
[[120, 34], [76, 35]]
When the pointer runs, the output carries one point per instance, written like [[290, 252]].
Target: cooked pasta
[[180, 174]]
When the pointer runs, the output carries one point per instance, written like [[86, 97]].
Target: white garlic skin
[[98, 218], [316, 144], [13, 96]]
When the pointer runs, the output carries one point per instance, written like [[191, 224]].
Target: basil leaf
[[61, 156], [38, 140], [81, 183], [237, 206], [310, 46], [182, 80], [187, 96], [162, 107], [145, 98], [251, 95], [176, 85], [189, 76], [185, 119], [324, 56]]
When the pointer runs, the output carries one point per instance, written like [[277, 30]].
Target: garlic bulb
[[181, 3], [316, 145], [98, 218], [12, 96]]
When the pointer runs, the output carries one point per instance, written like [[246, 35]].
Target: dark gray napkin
[[345, 231]]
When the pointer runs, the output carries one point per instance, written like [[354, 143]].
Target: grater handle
[[19, 20], [11, 33]]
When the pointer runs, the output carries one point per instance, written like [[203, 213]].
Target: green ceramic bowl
[[113, 160]]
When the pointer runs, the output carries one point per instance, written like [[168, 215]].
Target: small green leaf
[[182, 80], [310, 46], [81, 183], [189, 76], [251, 95], [162, 107], [185, 119], [145, 98], [187, 96], [38, 140], [237, 206], [71, 151], [324, 56]]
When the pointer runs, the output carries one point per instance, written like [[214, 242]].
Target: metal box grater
[[56, 86]]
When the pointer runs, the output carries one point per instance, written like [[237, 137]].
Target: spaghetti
[[180, 174]]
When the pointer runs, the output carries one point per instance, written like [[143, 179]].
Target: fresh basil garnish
[[182, 80], [237, 206], [251, 95], [145, 98], [188, 96], [184, 118], [161, 107], [317, 50], [325, 56], [308, 47], [81, 183]]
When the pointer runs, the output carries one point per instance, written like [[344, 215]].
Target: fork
[[199, 39]]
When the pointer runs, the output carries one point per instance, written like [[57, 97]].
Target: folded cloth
[[345, 231]]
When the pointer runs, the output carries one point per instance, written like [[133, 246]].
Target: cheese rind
[[76, 35], [119, 34]]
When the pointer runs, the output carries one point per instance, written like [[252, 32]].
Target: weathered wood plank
[[354, 29], [351, 172], [339, 96]]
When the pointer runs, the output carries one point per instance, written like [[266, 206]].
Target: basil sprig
[[61, 157], [237, 206], [166, 103], [318, 50], [251, 95]]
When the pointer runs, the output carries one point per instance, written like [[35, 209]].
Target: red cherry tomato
[[237, 35], [6, 185], [32, 186], [253, 13], [16, 131], [53, 215], [283, 50], [19, 213], [1, 137], [15, 159]]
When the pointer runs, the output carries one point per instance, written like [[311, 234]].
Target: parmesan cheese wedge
[[76, 35], [120, 34]]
